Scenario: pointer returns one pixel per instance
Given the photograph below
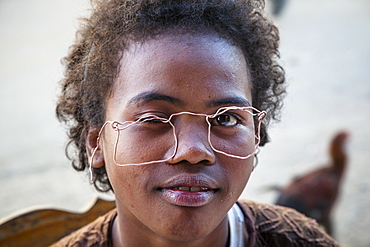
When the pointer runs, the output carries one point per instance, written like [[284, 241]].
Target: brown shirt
[[266, 225]]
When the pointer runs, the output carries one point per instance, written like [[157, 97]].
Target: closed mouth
[[189, 190]]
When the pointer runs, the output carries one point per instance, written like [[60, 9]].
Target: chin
[[191, 224]]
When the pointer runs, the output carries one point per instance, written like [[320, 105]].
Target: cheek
[[240, 144], [128, 182], [130, 185], [237, 173], [239, 170], [245, 170], [139, 144], [124, 180]]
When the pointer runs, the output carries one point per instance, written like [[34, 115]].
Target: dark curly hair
[[92, 63]]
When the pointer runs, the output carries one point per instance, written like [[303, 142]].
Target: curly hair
[[93, 60]]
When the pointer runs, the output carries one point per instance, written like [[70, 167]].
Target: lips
[[189, 190]]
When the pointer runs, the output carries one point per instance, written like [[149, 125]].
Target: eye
[[226, 119], [151, 119]]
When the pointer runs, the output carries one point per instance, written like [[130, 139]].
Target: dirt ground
[[325, 51]]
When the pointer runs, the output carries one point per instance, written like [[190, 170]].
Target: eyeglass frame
[[261, 115]]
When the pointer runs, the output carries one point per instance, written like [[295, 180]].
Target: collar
[[236, 226]]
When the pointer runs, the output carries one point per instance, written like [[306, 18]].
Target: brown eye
[[227, 120]]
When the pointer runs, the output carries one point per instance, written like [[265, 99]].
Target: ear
[[91, 145]]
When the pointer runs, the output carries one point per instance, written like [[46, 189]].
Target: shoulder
[[94, 234], [281, 226]]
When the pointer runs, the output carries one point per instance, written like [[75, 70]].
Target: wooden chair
[[45, 226]]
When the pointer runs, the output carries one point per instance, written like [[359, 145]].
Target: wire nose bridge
[[189, 119]]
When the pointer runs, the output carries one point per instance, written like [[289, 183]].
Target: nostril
[[193, 155]]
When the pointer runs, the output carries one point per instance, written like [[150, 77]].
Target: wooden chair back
[[45, 226]]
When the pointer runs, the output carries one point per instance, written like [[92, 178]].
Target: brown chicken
[[314, 194]]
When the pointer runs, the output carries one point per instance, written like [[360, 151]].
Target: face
[[187, 197]]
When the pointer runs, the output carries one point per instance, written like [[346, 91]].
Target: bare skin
[[169, 74]]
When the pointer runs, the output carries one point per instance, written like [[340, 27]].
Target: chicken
[[315, 193]]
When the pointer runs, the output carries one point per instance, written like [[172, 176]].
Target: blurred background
[[325, 49]]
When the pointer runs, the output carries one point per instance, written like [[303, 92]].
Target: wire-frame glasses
[[229, 131]]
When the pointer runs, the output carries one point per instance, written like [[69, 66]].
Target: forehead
[[173, 48], [186, 66]]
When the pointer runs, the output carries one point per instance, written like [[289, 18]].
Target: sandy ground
[[325, 48]]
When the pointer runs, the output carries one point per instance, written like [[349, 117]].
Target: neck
[[339, 165], [338, 154], [127, 235], [339, 160]]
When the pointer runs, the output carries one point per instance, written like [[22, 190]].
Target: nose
[[192, 144]]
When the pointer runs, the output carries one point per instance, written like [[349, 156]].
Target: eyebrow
[[147, 97], [238, 101]]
